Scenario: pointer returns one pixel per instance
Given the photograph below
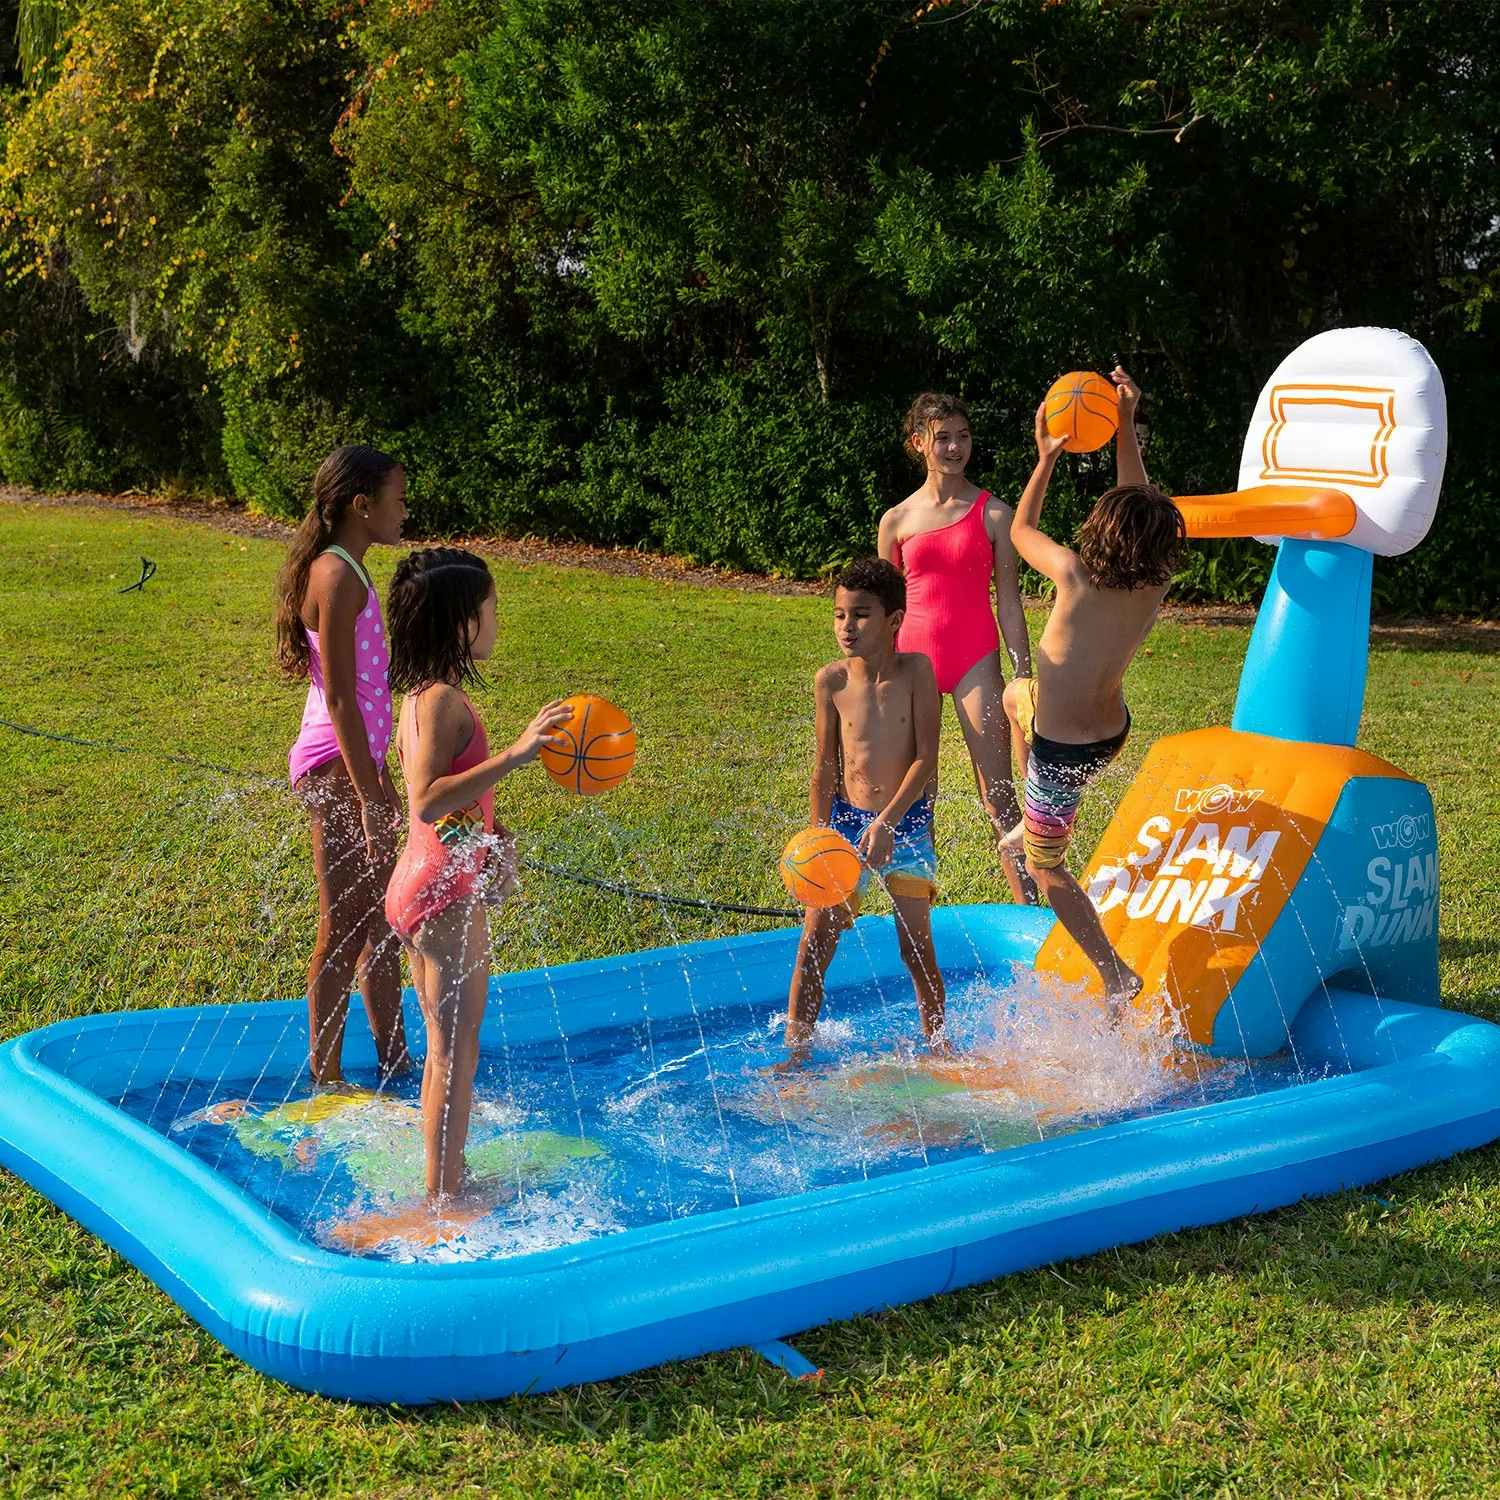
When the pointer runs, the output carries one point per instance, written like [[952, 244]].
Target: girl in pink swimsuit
[[457, 859], [329, 631], [951, 540]]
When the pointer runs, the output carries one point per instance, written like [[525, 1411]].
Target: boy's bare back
[[876, 715], [1089, 640]]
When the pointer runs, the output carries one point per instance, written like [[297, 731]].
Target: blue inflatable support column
[[1304, 674]]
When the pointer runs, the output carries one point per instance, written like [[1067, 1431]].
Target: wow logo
[[1404, 833], [1213, 800]]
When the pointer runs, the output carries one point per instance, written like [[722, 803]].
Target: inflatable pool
[[658, 1196]]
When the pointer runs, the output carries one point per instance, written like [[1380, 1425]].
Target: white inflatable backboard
[[1360, 410]]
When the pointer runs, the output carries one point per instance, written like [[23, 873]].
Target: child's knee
[[334, 955], [827, 924]]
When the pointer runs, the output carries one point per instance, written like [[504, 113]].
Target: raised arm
[[825, 773], [1008, 609], [1130, 467], [1049, 558]]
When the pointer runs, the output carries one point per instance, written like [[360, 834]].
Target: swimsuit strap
[[473, 727], [416, 722], [339, 552]]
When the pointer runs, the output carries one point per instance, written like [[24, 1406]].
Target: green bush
[[767, 480], [664, 274]]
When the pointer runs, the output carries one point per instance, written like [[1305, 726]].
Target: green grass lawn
[[1344, 1347]]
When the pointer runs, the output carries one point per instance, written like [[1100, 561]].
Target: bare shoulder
[[828, 680], [331, 569], [997, 517], [1074, 582], [332, 579], [893, 519], [999, 511]]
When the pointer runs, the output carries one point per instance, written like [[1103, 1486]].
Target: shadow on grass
[[1480, 637], [1455, 949], [1480, 640]]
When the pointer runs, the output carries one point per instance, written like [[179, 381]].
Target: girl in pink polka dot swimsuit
[[329, 630]]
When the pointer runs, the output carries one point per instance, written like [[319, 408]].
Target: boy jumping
[[1070, 720], [874, 775]]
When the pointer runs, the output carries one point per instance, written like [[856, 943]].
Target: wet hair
[[1132, 539], [434, 596], [874, 575], [929, 407], [346, 472]]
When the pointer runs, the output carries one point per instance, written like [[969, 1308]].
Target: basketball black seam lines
[[583, 731]]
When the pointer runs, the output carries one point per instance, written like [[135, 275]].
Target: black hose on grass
[[561, 872]]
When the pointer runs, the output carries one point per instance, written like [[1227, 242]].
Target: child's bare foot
[[423, 1224], [1120, 991], [795, 1060], [434, 1221], [226, 1110]]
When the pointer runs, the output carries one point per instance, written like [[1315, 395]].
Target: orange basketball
[[1084, 408], [820, 867], [598, 746]]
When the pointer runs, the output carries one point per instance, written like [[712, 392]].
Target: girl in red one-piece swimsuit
[[951, 540]]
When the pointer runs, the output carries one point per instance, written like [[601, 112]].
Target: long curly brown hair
[[929, 407], [1132, 539], [346, 472]]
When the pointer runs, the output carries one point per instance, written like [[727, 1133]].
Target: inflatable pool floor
[[916, 1212]]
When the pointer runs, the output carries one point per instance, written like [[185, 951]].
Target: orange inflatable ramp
[[1198, 863]]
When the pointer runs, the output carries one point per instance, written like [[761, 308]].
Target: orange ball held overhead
[[1084, 409], [597, 749], [820, 867]]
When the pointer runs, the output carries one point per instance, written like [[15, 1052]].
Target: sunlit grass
[[1345, 1346]]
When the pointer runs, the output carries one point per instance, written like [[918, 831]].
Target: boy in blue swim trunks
[[874, 778]]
